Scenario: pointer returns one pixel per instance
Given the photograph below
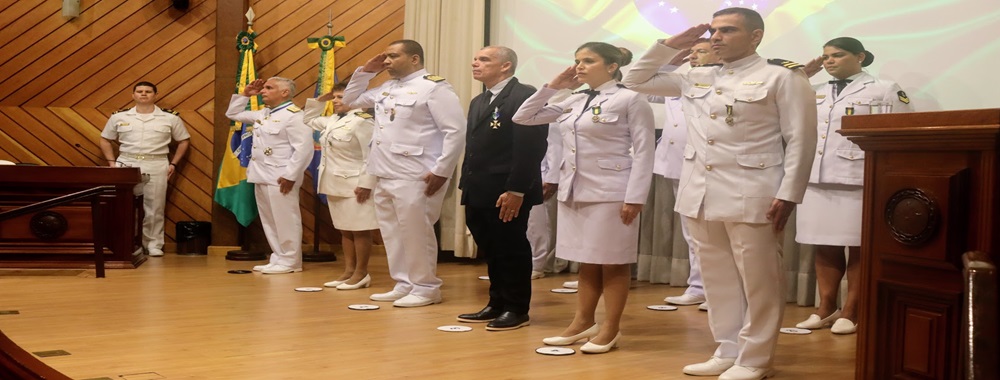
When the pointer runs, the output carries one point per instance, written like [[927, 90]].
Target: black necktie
[[839, 84], [342, 114], [591, 94]]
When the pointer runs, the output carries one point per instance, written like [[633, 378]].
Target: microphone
[[100, 157]]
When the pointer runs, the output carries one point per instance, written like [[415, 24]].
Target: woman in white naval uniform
[[344, 138], [830, 214], [602, 187]]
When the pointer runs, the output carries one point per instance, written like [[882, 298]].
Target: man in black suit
[[501, 180]]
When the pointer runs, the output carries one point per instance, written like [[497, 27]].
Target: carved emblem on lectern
[[912, 216], [48, 225]]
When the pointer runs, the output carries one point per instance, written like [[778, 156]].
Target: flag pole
[[317, 255]]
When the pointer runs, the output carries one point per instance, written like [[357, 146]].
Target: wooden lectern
[[62, 237], [931, 194]]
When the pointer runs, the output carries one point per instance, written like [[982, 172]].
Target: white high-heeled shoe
[[364, 283], [568, 340], [594, 348], [333, 284]]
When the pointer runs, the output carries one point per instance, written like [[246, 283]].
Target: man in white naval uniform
[[751, 137], [145, 132], [282, 149], [418, 140]]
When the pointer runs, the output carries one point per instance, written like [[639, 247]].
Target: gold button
[[761, 164], [823, 136], [827, 121], [573, 150], [708, 167], [712, 116], [831, 106], [730, 72], [405, 153], [711, 142], [819, 152], [671, 142], [574, 168], [618, 166], [675, 125], [719, 92], [378, 142], [850, 156]]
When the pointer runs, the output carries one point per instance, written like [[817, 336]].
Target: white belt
[[143, 156]]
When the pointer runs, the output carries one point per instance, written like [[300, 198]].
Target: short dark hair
[[752, 18], [144, 84], [340, 86], [853, 46], [411, 47], [610, 54]]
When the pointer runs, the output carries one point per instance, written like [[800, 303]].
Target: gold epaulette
[[363, 115], [172, 112], [433, 78], [902, 97], [785, 63], [293, 108], [120, 111]]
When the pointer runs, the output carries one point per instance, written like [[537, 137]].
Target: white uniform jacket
[[553, 155], [596, 165], [145, 133], [419, 124], [345, 142], [734, 170], [282, 143], [838, 160]]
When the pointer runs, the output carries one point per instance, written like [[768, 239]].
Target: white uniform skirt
[[349, 215], [593, 233], [830, 214]]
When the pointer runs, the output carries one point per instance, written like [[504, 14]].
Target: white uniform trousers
[[406, 218], [282, 221], [745, 284], [695, 285], [540, 235], [154, 198]]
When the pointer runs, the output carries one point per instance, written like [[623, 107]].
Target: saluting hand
[[325, 97], [683, 56], [629, 212], [814, 66], [565, 79], [687, 38], [375, 65], [253, 88]]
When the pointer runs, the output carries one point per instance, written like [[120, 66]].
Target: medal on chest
[[729, 114], [495, 123], [596, 110]]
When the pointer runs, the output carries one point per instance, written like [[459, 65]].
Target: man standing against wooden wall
[[145, 132]]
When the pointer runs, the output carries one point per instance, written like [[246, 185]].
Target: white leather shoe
[[568, 340], [536, 275], [571, 284], [746, 373], [685, 299], [703, 306], [155, 252], [593, 348], [279, 269], [414, 300], [333, 284], [843, 326], [258, 268], [816, 322], [713, 367], [364, 283], [387, 296]]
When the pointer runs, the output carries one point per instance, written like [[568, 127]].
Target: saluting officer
[[145, 132], [282, 149], [418, 140], [751, 137]]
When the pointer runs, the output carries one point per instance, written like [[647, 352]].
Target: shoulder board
[[170, 111], [785, 63], [621, 85], [293, 108], [120, 111], [711, 65], [363, 115], [433, 78]]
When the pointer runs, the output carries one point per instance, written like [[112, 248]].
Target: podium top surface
[[70, 175]]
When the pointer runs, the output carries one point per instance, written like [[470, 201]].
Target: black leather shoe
[[508, 321], [487, 314]]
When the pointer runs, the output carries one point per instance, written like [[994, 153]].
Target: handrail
[[16, 363], [980, 316]]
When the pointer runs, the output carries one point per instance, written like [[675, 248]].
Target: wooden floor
[[181, 317]]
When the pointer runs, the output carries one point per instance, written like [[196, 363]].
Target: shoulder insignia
[[172, 112], [293, 108], [785, 63], [902, 97], [363, 115], [433, 78], [120, 111], [568, 110]]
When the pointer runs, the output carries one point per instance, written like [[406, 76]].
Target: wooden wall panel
[[61, 78]]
